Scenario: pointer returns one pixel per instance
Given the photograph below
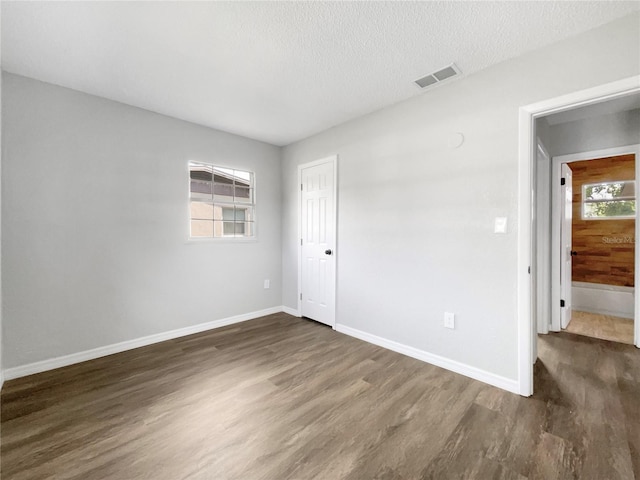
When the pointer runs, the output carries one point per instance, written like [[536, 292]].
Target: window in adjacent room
[[609, 200], [222, 202]]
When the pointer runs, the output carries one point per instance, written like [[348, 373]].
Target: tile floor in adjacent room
[[604, 327]]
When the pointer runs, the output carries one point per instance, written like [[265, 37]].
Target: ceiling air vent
[[439, 76]]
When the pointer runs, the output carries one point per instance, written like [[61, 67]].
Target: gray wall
[[95, 220], [596, 133], [543, 133], [415, 227]]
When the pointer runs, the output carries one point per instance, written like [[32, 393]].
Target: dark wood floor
[[283, 398]]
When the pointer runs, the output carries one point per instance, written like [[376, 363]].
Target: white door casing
[[565, 249], [541, 248], [317, 271]]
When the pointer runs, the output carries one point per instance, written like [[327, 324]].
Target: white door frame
[[566, 237], [556, 164], [526, 168], [330, 159], [543, 224]]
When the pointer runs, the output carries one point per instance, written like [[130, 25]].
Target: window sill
[[207, 240]]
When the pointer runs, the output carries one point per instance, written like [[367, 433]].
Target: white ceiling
[[275, 71]]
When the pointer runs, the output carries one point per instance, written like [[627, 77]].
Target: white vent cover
[[439, 76]]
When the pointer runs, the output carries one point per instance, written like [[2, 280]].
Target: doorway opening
[[535, 275], [593, 242]]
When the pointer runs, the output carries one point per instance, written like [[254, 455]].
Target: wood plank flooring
[[604, 327], [283, 398]]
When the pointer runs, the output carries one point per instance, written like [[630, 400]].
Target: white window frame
[[251, 206], [585, 201]]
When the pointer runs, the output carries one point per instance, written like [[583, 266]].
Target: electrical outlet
[[267, 283], [449, 320]]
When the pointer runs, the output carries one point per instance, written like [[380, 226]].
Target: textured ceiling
[[274, 71]]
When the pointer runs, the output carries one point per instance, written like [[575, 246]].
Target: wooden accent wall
[[605, 247]]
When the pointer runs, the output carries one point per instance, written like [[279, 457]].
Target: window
[[221, 201], [609, 200]]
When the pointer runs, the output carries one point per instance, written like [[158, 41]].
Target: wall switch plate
[[500, 225], [449, 320], [267, 283]]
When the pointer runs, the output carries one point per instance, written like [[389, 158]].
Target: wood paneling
[[600, 259], [281, 398]]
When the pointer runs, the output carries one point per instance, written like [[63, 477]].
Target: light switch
[[449, 320], [500, 225]]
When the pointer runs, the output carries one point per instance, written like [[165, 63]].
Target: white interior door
[[318, 241], [565, 249]]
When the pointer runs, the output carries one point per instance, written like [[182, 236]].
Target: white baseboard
[[603, 299], [291, 311], [448, 364], [461, 368], [45, 365]]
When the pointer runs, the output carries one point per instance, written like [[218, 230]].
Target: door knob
[[328, 252], [573, 253]]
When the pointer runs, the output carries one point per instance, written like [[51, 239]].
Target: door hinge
[[301, 187], [563, 181], [561, 303], [529, 270], [300, 296], [300, 241]]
